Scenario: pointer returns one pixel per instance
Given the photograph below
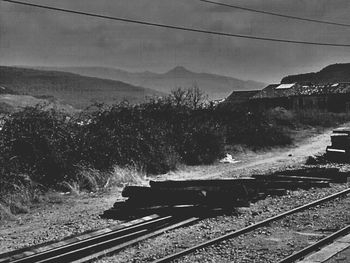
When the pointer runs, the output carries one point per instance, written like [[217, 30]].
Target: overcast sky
[[30, 36]]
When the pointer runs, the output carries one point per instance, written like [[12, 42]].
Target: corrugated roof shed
[[240, 96], [285, 86], [295, 89]]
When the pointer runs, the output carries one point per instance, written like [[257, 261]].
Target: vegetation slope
[[78, 91], [214, 85], [331, 74]]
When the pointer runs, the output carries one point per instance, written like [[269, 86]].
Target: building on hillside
[[239, 98], [334, 97]]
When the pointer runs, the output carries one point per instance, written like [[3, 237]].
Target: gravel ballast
[[207, 229]]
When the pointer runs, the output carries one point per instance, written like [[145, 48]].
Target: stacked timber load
[[205, 197], [340, 148], [182, 197]]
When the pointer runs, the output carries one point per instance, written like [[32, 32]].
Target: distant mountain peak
[[215, 85], [179, 70], [147, 72]]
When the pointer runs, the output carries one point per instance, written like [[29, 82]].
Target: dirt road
[[263, 161]]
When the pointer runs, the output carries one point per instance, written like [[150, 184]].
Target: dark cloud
[[41, 37]]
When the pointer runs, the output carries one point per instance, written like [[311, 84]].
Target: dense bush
[[282, 117], [50, 148], [324, 119], [200, 144], [123, 135], [250, 128], [38, 143]]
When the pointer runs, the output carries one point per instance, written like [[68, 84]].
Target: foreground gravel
[[280, 239], [59, 217], [249, 248]]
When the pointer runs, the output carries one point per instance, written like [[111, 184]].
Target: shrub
[[123, 135], [36, 142], [120, 176], [252, 129], [5, 213], [18, 197], [201, 145], [323, 119], [281, 116]]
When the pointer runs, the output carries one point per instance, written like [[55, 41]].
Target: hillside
[[329, 74], [216, 86], [6, 90], [10, 103], [78, 91]]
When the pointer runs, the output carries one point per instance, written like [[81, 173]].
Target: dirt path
[[251, 162]]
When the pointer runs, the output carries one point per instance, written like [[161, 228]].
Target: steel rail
[[92, 248], [28, 251], [147, 236], [119, 242], [92, 240], [251, 227], [323, 242], [78, 252]]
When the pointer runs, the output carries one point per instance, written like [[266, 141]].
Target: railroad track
[[101, 243], [266, 222], [108, 241], [318, 245]]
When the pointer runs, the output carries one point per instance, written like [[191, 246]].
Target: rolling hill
[[10, 103], [330, 74], [6, 90], [216, 86], [73, 89]]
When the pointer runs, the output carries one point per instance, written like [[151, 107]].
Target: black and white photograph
[[175, 131]]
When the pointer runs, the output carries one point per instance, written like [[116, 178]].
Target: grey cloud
[[32, 36]]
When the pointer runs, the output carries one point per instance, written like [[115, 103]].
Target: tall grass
[[93, 180]]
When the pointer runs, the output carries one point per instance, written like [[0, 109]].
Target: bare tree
[[192, 97], [179, 96], [195, 96]]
